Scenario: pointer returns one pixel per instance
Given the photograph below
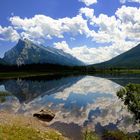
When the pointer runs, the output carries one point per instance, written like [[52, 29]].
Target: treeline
[[55, 68], [41, 68]]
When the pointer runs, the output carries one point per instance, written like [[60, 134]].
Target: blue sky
[[84, 40]]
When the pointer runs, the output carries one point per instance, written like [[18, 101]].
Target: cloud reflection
[[89, 102]]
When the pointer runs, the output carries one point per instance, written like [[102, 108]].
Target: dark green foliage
[[38, 70], [130, 95], [119, 135], [2, 62], [110, 135]]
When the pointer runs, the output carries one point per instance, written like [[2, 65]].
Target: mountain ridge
[[128, 59], [27, 52]]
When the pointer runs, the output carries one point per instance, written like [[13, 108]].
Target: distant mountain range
[[26, 52], [129, 59]]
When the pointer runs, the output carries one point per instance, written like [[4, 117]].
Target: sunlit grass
[[15, 132]]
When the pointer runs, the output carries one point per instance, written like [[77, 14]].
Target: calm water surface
[[79, 102]]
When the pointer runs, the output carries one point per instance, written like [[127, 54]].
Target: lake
[[79, 102]]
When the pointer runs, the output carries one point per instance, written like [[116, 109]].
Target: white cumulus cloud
[[130, 22], [88, 12], [41, 26], [109, 29], [63, 46], [124, 1], [88, 2], [124, 25], [8, 34], [95, 55]]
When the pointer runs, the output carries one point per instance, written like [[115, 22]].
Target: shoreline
[[27, 123], [53, 75]]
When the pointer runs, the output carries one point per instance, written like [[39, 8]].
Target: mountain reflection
[[83, 102], [27, 90], [122, 79]]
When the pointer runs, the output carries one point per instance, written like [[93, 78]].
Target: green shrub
[[130, 95]]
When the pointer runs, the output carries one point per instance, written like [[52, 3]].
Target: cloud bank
[[121, 31]]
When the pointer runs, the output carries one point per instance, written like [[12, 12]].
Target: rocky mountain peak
[[27, 52]]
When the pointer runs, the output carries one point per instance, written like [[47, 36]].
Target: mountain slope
[[2, 62], [129, 59], [26, 52]]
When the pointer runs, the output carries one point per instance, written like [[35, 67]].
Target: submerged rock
[[45, 115]]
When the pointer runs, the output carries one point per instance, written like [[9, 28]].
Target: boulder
[[45, 115]]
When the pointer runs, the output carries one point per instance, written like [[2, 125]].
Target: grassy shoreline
[[26, 74], [17, 127], [8, 75]]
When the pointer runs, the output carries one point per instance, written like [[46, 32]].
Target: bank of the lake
[[63, 73], [19, 127]]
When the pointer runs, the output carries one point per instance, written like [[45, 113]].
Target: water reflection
[[122, 79], [79, 102], [27, 90]]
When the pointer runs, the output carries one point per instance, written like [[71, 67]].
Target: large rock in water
[[45, 115]]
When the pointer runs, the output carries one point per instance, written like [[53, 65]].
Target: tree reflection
[[130, 95]]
